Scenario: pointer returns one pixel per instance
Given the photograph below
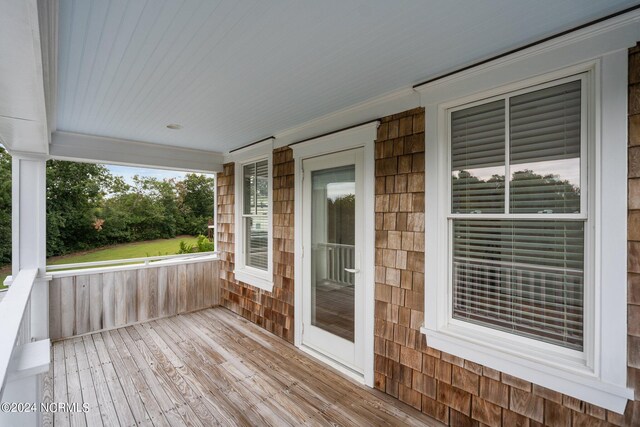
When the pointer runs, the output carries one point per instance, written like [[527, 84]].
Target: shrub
[[185, 248], [204, 245]]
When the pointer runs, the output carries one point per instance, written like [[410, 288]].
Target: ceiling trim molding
[[619, 32], [319, 137], [252, 144], [99, 149], [255, 149], [366, 111]]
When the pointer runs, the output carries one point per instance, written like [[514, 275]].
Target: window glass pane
[[256, 242], [333, 225], [478, 159], [522, 277], [262, 187], [249, 189], [545, 150]]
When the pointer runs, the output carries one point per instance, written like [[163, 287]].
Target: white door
[[333, 232]]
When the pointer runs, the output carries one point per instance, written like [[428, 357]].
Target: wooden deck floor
[[208, 368]]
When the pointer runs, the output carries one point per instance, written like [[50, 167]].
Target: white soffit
[[235, 72]]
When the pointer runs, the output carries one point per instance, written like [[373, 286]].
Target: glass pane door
[[333, 216]]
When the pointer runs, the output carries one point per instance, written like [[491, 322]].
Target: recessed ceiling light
[[174, 126]]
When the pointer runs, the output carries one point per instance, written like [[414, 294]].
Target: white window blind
[[477, 158], [255, 214], [522, 276], [545, 150]]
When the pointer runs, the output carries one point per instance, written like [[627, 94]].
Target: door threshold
[[343, 369]]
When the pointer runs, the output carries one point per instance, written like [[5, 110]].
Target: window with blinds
[[255, 214], [516, 219]]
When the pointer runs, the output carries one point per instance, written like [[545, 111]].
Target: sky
[[335, 190]]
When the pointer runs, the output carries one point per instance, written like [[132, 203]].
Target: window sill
[[261, 281], [571, 378]]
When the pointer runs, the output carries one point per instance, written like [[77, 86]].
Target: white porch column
[[29, 222], [29, 252]]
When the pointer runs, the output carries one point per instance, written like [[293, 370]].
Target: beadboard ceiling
[[232, 72]]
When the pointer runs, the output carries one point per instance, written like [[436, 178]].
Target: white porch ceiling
[[232, 72]]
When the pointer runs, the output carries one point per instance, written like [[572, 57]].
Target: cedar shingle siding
[[446, 387], [273, 311]]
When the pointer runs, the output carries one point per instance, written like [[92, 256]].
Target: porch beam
[[100, 149]]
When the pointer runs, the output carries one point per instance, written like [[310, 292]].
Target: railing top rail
[[12, 309], [88, 269], [58, 267]]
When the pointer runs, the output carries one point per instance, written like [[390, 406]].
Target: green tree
[[530, 192], [341, 220], [74, 193], [166, 195], [5, 207], [136, 213], [196, 199]]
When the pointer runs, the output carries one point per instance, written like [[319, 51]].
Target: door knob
[[352, 270]]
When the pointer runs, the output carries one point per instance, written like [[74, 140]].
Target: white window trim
[[549, 353], [215, 215], [252, 276], [602, 52]]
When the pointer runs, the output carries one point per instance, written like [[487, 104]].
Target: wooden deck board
[[74, 389], [208, 368], [133, 399], [139, 385], [106, 406], [60, 418], [47, 393], [177, 390], [86, 382]]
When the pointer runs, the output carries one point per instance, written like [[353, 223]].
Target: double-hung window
[[253, 230], [255, 214], [518, 217], [525, 232]]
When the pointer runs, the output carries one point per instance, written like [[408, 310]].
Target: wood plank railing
[[90, 300]]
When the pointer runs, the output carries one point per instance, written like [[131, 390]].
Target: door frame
[[315, 337], [363, 136]]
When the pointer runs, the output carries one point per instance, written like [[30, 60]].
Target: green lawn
[[127, 250], [124, 251]]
